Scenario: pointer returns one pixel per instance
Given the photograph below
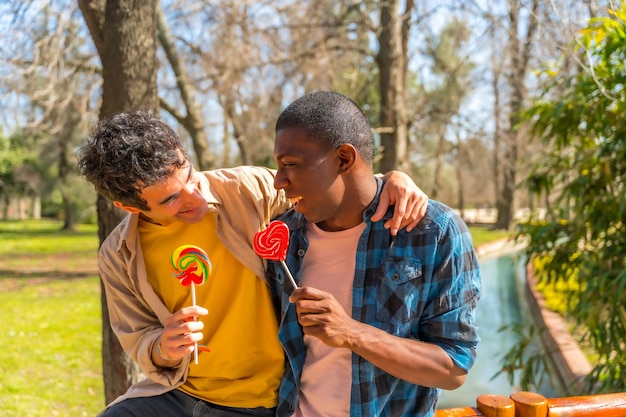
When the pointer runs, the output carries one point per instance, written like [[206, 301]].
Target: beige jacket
[[245, 200]]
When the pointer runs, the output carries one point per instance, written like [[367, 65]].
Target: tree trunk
[[228, 104], [519, 50], [69, 222], [118, 370], [460, 191], [70, 119], [124, 32], [497, 133], [440, 154], [129, 65], [35, 207], [461, 162], [392, 65]]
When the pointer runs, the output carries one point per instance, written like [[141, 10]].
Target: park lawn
[[482, 235], [50, 343]]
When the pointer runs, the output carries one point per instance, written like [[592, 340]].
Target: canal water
[[502, 303]]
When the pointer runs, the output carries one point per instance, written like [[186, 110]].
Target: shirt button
[[300, 252], [395, 277], [291, 407]]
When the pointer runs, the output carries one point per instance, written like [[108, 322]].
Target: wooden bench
[[529, 404]]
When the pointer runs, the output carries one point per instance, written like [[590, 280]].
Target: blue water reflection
[[502, 303]]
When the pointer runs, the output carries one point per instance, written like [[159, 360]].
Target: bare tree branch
[[93, 13], [193, 121]]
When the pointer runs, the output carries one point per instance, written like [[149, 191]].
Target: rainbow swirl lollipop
[[191, 265]]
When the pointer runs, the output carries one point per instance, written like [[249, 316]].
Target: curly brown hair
[[129, 151]]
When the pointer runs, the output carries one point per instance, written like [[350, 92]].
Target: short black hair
[[331, 118]]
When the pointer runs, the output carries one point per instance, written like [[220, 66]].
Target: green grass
[[45, 237], [482, 235], [50, 343]]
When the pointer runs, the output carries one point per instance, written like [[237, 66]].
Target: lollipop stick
[[293, 282], [193, 302]]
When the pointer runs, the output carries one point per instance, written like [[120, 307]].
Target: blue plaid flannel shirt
[[422, 285]]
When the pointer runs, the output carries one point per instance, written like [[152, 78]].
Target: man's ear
[[347, 157], [130, 209]]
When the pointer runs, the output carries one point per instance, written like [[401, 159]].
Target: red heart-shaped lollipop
[[272, 243]]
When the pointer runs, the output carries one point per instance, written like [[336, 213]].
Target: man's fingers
[[420, 211], [381, 208], [306, 293], [185, 314], [191, 311], [395, 223]]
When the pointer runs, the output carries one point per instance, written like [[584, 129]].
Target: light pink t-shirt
[[326, 380]]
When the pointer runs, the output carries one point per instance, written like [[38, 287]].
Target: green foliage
[[83, 198], [580, 119], [561, 295], [28, 168], [15, 161], [526, 362], [436, 103]]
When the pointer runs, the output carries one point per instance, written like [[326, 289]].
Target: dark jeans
[[176, 403]]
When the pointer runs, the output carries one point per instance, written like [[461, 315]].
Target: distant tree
[[580, 244], [392, 61], [20, 173], [520, 39], [50, 79], [441, 100]]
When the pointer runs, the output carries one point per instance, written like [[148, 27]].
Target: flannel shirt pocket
[[398, 296]]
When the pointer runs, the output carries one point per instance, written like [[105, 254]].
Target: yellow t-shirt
[[246, 361]]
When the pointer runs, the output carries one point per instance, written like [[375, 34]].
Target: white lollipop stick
[[293, 281], [193, 302]]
